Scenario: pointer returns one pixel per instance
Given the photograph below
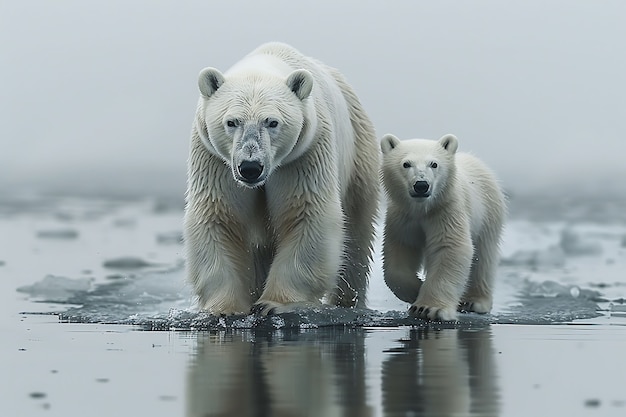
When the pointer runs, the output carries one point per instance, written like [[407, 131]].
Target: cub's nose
[[421, 188], [250, 170]]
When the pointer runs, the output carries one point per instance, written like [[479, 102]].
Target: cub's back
[[483, 193]]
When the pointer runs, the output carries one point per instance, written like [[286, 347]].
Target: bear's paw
[[269, 308], [437, 313]]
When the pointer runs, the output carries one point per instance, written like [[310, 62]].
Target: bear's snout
[[421, 188], [250, 170]]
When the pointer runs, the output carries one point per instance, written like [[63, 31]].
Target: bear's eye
[[433, 165], [273, 123], [406, 165]]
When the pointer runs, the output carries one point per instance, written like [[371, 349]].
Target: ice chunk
[[58, 234], [127, 262], [617, 310], [548, 289]]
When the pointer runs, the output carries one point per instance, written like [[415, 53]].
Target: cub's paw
[[476, 305], [433, 312]]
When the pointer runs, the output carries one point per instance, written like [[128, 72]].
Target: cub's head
[[417, 169], [255, 121]]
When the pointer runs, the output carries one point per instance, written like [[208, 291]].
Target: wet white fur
[[453, 234], [305, 229]]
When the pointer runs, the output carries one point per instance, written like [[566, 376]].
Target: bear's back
[[328, 93]]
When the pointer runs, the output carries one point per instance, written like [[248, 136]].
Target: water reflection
[[444, 372], [292, 373], [337, 372]]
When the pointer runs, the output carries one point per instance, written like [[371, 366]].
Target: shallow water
[[494, 370], [98, 321]]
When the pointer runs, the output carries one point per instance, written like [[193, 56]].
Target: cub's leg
[[400, 265], [478, 296], [447, 268]]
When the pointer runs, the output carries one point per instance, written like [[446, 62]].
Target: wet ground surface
[[97, 321]]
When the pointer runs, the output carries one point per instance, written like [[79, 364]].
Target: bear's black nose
[[250, 170], [421, 188]]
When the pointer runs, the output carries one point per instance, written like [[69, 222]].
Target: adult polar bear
[[282, 186], [445, 213]]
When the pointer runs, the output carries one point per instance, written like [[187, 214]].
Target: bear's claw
[[421, 312], [258, 309], [263, 309], [480, 306], [431, 313], [466, 307]]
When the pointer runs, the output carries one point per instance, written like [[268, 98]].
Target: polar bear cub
[[282, 186], [445, 216]]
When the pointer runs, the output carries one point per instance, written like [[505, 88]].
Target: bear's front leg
[[217, 258], [309, 248], [448, 266]]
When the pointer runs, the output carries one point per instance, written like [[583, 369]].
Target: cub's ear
[[301, 83], [388, 142], [209, 80], [450, 143]]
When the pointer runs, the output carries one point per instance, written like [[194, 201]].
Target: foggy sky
[[99, 96]]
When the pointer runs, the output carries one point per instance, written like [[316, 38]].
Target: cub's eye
[[406, 165], [231, 123], [433, 165]]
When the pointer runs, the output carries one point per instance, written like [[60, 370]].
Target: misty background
[[98, 97]]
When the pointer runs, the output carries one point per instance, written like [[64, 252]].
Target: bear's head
[[255, 121], [417, 169]]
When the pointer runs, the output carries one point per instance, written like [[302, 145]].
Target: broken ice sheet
[[57, 288]]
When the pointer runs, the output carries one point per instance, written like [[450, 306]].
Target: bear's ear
[[301, 83], [209, 80], [450, 143], [388, 142]]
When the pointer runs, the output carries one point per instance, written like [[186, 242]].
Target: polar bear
[[282, 189], [445, 215]]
